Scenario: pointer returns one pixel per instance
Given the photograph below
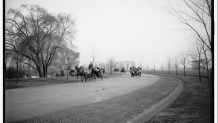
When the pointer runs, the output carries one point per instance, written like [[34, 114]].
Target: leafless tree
[[176, 63], [196, 54], [147, 65], [183, 56], [162, 66], [128, 64], [41, 33], [196, 16], [94, 56], [206, 61], [154, 66], [111, 64], [67, 58], [169, 63], [133, 64], [141, 65]]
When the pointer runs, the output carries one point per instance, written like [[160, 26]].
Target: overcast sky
[[122, 29]]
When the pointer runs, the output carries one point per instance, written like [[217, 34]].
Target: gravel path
[[116, 110]]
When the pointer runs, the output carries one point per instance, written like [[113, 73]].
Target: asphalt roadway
[[27, 103]]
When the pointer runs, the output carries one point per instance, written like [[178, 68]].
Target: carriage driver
[[90, 66]]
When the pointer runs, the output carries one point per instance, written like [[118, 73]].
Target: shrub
[[123, 70], [116, 69], [11, 73]]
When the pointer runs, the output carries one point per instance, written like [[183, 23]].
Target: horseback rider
[[90, 67]]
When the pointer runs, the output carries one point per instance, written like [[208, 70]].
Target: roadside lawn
[[10, 84], [193, 105]]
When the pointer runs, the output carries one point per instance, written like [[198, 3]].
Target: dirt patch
[[193, 105], [117, 110]]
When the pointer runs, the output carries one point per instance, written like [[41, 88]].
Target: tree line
[[196, 16]]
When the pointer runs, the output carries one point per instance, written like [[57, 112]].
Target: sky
[[121, 29]]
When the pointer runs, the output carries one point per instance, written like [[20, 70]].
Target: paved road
[[30, 102]]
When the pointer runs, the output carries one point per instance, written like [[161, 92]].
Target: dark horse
[[80, 72], [98, 73]]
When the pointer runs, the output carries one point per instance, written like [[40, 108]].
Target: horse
[[98, 73], [71, 72], [80, 72], [88, 75]]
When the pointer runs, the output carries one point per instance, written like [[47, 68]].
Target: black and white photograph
[[109, 61]]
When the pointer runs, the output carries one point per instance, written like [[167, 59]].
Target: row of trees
[[38, 38], [196, 58], [196, 16]]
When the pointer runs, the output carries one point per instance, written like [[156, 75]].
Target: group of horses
[[90, 74]]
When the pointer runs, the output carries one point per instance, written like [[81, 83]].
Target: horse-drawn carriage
[[135, 71], [87, 74]]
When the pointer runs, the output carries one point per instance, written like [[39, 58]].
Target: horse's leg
[[86, 78]]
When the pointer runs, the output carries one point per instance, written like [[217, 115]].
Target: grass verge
[[193, 105], [10, 84]]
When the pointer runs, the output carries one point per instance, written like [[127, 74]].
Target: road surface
[[26, 103]]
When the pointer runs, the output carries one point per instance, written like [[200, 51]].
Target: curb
[[158, 107]]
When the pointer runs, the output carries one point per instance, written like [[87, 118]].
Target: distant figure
[[90, 66], [62, 73]]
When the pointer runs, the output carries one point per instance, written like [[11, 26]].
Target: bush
[[123, 70], [116, 69], [11, 73], [62, 73]]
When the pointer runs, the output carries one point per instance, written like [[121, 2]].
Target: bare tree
[[196, 16], [67, 58], [196, 54], [111, 64], [141, 65], [176, 63], [154, 66], [162, 66], [206, 61], [133, 64], [94, 56], [14, 51], [184, 59], [41, 33], [169, 63], [128, 64], [147, 65]]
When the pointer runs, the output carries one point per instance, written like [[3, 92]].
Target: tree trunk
[[212, 69], [40, 71], [199, 72], [184, 70], [45, 71], [17, 69], [176, 71]]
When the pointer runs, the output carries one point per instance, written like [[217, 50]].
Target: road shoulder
[[193, 105]]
